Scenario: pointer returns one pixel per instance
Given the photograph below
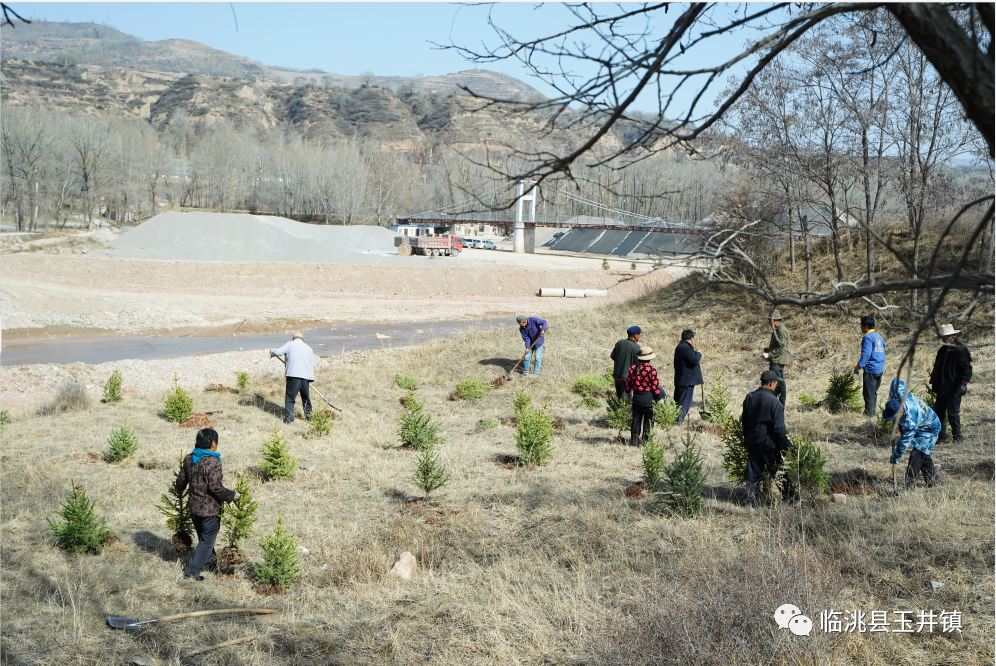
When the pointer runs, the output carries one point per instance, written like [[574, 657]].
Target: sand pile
[[242, 237]]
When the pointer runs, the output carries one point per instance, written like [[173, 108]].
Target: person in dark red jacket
[[201, 470], [763, 422], [645, 387], [949, 381]]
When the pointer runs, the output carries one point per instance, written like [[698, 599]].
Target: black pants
[[780, 391], [643, 418], [921, 462], [869, 391], [620, 388], [948, 405], [683, 398], [296, 385], [207, 533], [757, 462]]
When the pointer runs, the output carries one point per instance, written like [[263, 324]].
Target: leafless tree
[[90, 141]]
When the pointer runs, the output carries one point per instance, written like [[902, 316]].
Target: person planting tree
[[299, 372], [201, 470], [918, 430], [763, 420], [533, 331]]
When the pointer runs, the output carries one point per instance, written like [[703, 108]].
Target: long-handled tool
[[508, 375], [895, 486], [312, 387], [122, 623], [706, 416]]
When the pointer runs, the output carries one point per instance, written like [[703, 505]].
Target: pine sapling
[[620, 415], [654, 450], [406, 381], [281, 563], [239, 516], [173, 505], [416, 429], [178, 406], [123, 442], [473, 387], [80, 530], [605, 264], [808, 401], [805, 467], [666, 413], [590, 402], [718, 403], [430, 474], [112, 389], [735, 453], [242, 380], [843, 393], [684, 480], [321, 423], [522, 401], [533, 435], [277, 463]]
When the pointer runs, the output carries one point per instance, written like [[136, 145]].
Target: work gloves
[[962, 389]]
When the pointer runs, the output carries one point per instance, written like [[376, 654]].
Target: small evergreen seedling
[[79, 530], [242, 380], [278, 463], [321, 423], [178, 406], [619, 414], [632, 266], [929, 397], [808, 401], [843, 392], [472, 388], [521, 401], [406, 381], [805, 467], [654, 450], [735, 455], [591, 402], [4, 418], [605, 264], [112, 389], [533, 435], [486, 424], [684, 480], [718, 403], [174, 506], [123, 443], [430, 474], [239, 516], [416, 429], [410, 403], [666, 413], [594, 386], [281, 564]]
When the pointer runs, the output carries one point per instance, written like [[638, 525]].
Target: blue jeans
[[538, 351]]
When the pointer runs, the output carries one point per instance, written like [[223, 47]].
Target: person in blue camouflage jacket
[[918, 430]]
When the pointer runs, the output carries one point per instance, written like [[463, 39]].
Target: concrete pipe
[[549, 291], [573, 293], [595, 293]]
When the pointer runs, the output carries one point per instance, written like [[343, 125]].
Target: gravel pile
[[28, 386], [242, 237]]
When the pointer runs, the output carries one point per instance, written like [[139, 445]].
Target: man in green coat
[[777, 352]]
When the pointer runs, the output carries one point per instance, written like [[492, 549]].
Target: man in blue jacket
[[918, 430], [533, 330], [872, 361], [687, 372]]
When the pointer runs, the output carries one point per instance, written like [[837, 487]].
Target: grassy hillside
[[545, 565]]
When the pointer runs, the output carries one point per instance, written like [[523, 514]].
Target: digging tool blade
[[706, 416], [122, 623]]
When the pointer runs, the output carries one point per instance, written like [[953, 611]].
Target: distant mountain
[[108, 47]]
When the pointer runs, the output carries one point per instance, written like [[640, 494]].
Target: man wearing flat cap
[[778, 353], [533, 331], [299, 371], [624, 357], [949, 380], [763, 420], [687, 372]]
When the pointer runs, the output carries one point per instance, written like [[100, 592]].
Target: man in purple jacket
[[532, 329]]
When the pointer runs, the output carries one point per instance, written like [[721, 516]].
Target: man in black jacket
[[624, 357], [687, 372], [949, 381], [763, 422]]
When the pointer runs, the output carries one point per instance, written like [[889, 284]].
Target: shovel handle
[[180, 616], [522, 357]]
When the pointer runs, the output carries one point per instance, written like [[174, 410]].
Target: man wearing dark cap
[[687, 372], [872, 361], [624, 357], [777, 353], [763, 420]]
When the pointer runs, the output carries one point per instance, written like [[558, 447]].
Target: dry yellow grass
[[549, 565]]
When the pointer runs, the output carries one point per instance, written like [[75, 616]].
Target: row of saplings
[[78, 529]]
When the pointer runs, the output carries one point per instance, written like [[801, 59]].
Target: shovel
[[310, 387], [706, 416], [508, 375], [122, 623], [895, 486]]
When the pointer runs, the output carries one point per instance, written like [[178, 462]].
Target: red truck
[[447, 245]]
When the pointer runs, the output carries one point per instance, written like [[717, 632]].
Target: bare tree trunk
[[809, 255]]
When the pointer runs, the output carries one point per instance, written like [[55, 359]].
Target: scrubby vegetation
[[533, 435], [473, 387], [842, 392], [70, 397], [406, 381], [321, 423], [684, 479]]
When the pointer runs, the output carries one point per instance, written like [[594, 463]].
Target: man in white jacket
[[299, 360]]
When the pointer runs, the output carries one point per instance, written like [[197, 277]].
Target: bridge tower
[[523, 238]]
